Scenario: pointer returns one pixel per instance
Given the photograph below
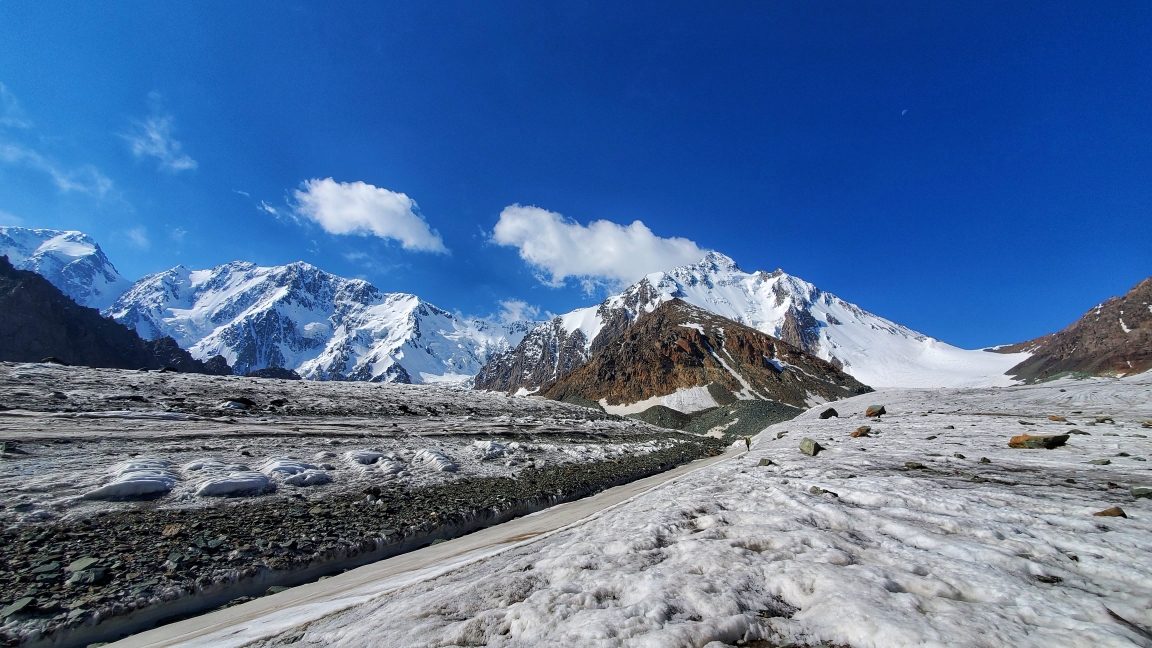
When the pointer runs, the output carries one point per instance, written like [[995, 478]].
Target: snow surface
[[244, 482], [876, 351], [69, 260], [850, 547], [137, 478], [684, 399]]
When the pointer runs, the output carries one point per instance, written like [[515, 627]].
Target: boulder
[[1141, 491], [875, 410], [1115, 511], [1037, 442], [810, 447], [829, 413], [1104, 419], [1054, 417], [861, 431], [765, 462]]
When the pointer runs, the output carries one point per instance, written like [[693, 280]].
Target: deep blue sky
[[977, 171]]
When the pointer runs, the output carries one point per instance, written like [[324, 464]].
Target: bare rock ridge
[[1112, 339], [37, 321], [679, 345]]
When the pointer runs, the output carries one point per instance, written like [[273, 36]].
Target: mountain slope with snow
[[874, 350], [69, 260], [323, 326]]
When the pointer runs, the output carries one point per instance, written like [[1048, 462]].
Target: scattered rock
[[958, 455], [780, 435], [1141, 491], [1051, 580], [810, 447], [275, 589], [829, 413], [913, 465], [985, 460], [816, 490], [1100, 462], [1115, 511], [1104, 419], [81, 564], [949, 427], [1055, 417], [88, 576], [1025, 422], [765, 462], [16, 607], [875, 410], [1075, 431], [1042, 441], [930, 438], [861, 431]]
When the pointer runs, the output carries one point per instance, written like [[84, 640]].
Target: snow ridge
[[70, 260], [323, 326]]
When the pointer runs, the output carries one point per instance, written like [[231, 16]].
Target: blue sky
[[981, 173]]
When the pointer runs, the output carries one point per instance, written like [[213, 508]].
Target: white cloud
[[515, 310], [139, 237], [268, 208], [10, 113], [9, 219], [153, 138], [360, 208], [85, 179], [602, 252], [178, 234]]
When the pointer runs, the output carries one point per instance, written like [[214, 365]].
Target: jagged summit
[[70, 260], [876, 351], [297, 316]]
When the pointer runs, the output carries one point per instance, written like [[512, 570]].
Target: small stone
[[810, 447], [275, 589], [875, 410], [861, 431], [81, 564], [1100, 462], [1075, 431], [985, 460], [1115, 511], [930, 438], [1025, 422], [958, 455], [16, 607], [1141, 491], [949, 427], [1104, 419], [829, 413], [765, 462], [913, 465], [816, 490], [1111, 434], [87, 576], [1055, 417], [780, 435], [1042, 441], [171, 530], [46, 568]]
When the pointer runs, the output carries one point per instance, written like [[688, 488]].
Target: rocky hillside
[[875, 350], [70, 260], [38, 321], [672, 355], [1112, 339], [301, 318]]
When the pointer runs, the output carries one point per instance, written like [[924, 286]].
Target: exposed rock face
[[546, 353], [678, 345], [37, 321], [1112, 339]]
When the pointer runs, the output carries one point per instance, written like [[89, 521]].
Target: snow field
[[884, 541]]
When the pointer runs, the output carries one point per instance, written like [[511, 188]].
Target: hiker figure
[[748, 442]]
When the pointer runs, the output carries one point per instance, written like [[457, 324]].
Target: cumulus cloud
[[516, 310], [360, 208], [84, 179], [601, 252], [152, 137]]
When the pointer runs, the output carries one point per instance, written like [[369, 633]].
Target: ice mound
[[212, 465], [237, 483], [435, 460], [295, 472], [489, 449], [309, 477], [391, 464], [136, 479], [362, 457]]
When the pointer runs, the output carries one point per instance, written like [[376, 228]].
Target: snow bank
[[295, 472], [237, 483], [309, 477], [136, 479], [489, 449]]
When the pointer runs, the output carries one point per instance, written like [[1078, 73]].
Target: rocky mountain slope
[[672, 355], [71, 261], [1112, 339], [37, 320], [323, 326], [874, 350]]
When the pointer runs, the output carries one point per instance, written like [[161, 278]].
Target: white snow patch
[[237, 483], [684, 399], [435, 460], [136, 478]]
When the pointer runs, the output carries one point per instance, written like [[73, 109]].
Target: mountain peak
[[718, 261], [70, 260]]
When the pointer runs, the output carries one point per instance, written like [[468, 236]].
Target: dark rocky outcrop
[[274, 372], [1112, 339], [680, 345], [38, 321]]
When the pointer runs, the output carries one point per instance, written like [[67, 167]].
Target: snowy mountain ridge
[[72, 261], [876, 351], [300, 317]]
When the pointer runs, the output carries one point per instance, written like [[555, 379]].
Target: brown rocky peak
[[678, 345]]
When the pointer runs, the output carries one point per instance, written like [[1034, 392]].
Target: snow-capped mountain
[[69, 260], [874, 350], [323, 326]]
